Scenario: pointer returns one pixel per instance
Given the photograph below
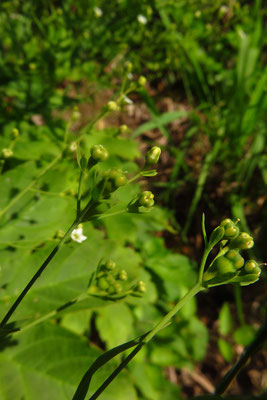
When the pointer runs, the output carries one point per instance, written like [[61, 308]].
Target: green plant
[[224, 268]]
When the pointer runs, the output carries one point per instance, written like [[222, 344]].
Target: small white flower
[[126, 100], [130, 76], [141, 19], [77, 235], [98, 12]]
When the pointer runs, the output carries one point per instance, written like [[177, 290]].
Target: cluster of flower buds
[[111, 281], [99, 153], [146, 199], [229, 266], [114, 178], [143, 203]]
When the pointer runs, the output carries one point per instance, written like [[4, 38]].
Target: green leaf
[[204, 230], [226, 349], [152, 172], [225, 319], [114, 324], [160, 120], [244, 335], [48, 362]]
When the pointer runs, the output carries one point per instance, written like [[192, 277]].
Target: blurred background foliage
[[208, 59]]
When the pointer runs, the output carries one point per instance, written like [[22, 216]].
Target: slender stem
[[52, 313], [116, 372], [162, 324], [43, 266], [259, 340], [37, 275], [79, 192], [192, 292], [101, 216], [203, 263]]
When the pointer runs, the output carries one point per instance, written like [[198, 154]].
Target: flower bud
[[7, 153], [146, 199], [112, 106], [122, 275], [152, 156], [243, 242], [99, 153], [140, 287], [117, 287], [142, 81], [124, 128], [76, 115], [73, 146], [120, 180], [235, 258], [221, 270], [15, 132], [231, 231], [128, 66], [252, 266], [102, 283], [216, 235], [110, 265]]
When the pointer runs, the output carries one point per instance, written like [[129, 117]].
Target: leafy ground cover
[[203, 104]]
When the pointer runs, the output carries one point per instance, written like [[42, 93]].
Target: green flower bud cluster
[[146, 199], [99, 153], [109, 278], [229, 266], [115, 179], [112, 106], [138, 289], [111, 282]]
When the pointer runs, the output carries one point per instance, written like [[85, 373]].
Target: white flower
[[141, 19], [98, 12], [126, 100], [77, 235]]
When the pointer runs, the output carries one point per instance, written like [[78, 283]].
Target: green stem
[[192, 292], [79, 192], [202, 264], [116, 372], [101, 216], [37, 275], [52, 313], [42, 268], [162, 324]]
